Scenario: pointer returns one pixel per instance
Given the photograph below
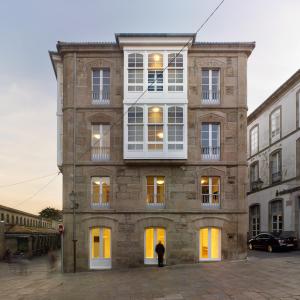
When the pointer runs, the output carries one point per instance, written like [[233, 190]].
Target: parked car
[[274, 241]]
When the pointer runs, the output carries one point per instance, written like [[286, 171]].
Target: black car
[[273, 241]]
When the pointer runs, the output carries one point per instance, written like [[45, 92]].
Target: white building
[[274, 161]]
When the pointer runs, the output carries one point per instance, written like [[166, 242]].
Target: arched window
[[135, 72], [254, 220], [276, 215], [275, 166], [175, 72], [155, 72], [155, 128], [135, 128]]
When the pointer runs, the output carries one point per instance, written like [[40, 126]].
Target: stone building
[[156, 137], [274, 161]]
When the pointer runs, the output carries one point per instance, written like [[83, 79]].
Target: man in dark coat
[[160, 250]]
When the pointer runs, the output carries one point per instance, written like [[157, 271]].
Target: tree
[[51, 213]]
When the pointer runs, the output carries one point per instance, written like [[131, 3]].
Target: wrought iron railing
[[210, 153], [211, 97], [100, 153], [101, 97]]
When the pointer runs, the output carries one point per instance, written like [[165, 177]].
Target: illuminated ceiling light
[[97, 136], [156, 57], [155, 109], [160, 135], [203, 181], [97, 182], [160, 181]]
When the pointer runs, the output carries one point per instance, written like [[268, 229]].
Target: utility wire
[[38, 191], [27, 180], [155, 80]]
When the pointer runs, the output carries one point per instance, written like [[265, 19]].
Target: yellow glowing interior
[[96, 191], [203, 243], [106, 243], [215, 243], [149, 237], [161, 236], [160, 135], [95, 243], [97, 136], [105, 191], [155, 109]]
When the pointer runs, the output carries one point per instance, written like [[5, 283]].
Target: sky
[[28, 29]]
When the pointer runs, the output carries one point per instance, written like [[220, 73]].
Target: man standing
[[160, 250]]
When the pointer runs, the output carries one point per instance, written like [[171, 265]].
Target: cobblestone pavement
[[262, 276]]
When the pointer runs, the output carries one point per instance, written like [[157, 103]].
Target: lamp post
[[74, 207]]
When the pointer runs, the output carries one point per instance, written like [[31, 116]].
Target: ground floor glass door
[[152, 237], [209, 244], [100, 248]]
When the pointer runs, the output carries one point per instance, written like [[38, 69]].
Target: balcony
[[256, 185], [155, 205], [276, 177], [211, 97], [210, 153], [101, 97], [211, 201], [100, 153], [100, 205]]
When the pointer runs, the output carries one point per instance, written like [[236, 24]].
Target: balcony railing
[[156, 204], [211, 201], [256, 185], [100, 153], [211, 97], [276, 177], [210, 153], [102, 97], [100, 205]]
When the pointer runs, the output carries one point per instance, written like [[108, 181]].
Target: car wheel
[[250, 246], [269, 248]]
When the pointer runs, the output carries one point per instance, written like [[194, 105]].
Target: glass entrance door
[[100, 248], [210, 244], [152, 237]]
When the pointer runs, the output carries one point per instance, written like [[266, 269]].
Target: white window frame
[[100, 203], [173, 60], [102, 98], [210, 195], [176, 143], [155, 84], [155, 125], [209, 244], [275, 125], [102, 151], [155, 203], [213, 97], [135, 143], [212, 153], [254, 136], [137, 87]]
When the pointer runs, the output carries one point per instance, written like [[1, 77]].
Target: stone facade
[[128, 214]]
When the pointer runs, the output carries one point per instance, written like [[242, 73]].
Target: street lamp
[[75, 206]]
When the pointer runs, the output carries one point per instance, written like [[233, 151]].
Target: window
[[100, 248], [152, 237], [100, 142], [155, 72], [254, 140], [210, 86], [13, 219], [210, 244], [276, 216], [101, 86], [100, 191], [155, 128], [175, 72], [155, 190], [135, 128], [135, 72], [275, 167], [175, 128], [254, 220], [275, 129], [2, 217], [254, 176], [210, 141], [7, 219], [17, 220], [210, 191]]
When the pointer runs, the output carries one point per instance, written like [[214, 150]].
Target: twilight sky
[[28, 29]]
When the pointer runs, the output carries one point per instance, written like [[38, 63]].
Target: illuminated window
[[155, 190], [101, 86], [210, 86], [100, 256], [210, 190], [155, 128], [210, 141], [100, 142], [175, 128], [135, 72], [135, 128], [275, 129], [175, 72], [152, 236], [155, 72], [254, 140], [100, 191], [210, 244]]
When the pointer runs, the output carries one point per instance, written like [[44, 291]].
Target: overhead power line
[[155, 80], [27, 180]]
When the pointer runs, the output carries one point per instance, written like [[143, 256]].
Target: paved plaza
[[262, 276]]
